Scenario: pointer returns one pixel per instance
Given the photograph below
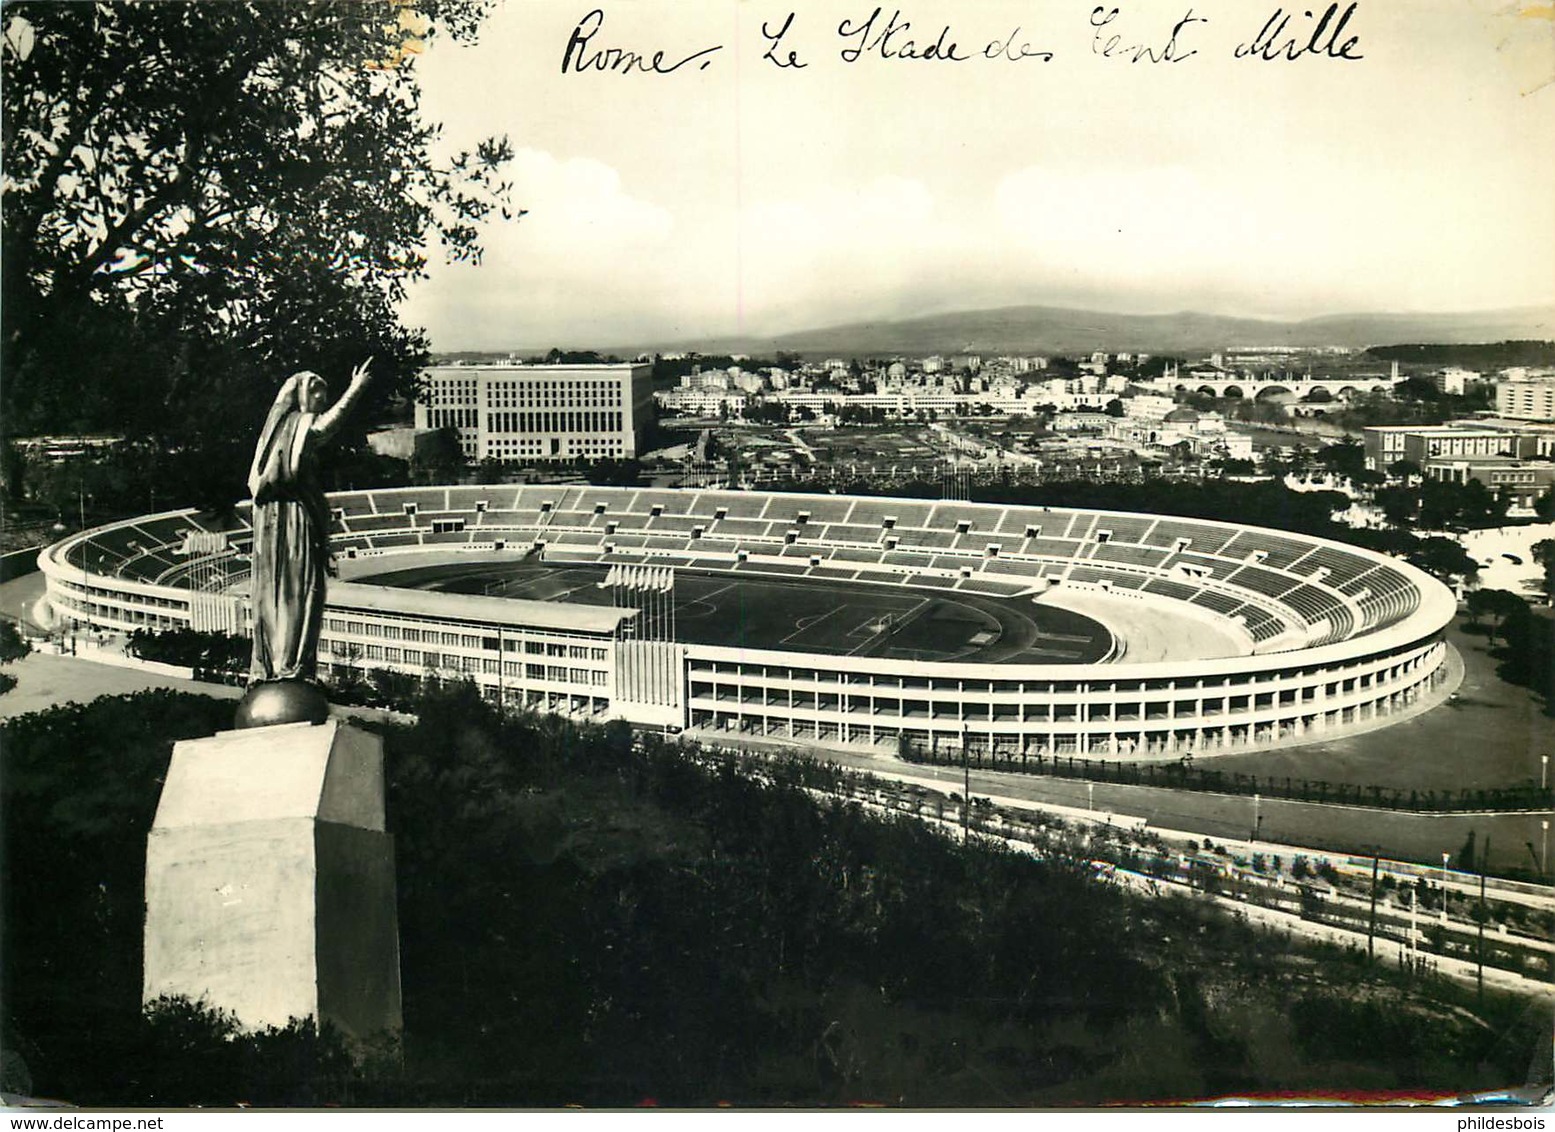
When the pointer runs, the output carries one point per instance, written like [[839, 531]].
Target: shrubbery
[[217, 657], [13, 646], [588, 919]]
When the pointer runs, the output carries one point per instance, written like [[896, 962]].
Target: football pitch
[[811, 615]]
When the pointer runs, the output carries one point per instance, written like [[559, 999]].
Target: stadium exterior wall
[[1011, 712]]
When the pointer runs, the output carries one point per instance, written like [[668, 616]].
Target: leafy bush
[[212, 653], [588, 918]]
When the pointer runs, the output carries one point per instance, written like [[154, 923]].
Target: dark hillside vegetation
[[588, 920], [1481, 355]]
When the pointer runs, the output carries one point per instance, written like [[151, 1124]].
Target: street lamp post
[[966, 787], [1413, 946], [1445, 857], [1257, 820], [1544, 772], [1544, 847]]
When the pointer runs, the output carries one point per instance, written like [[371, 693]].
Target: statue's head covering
[[278, 454]]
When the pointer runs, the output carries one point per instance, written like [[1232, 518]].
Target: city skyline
[[733, 197]]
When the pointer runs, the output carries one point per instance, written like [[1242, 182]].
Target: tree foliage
[[585, 919], [1544, 554], [1479, 355], [1346, 458], [13, 646], [1443, 558], [202, 198], [1438, 504], [212, 654]]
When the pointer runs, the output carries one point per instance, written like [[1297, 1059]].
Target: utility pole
[[1413, 946], [1371, 924], [1445, 857], [966, 789], [1479, 973]]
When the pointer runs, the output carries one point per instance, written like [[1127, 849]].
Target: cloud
[[1285, 237], [1133, 223], [598, 262], [579, 201], [573, 265], [802, 255], [824, 220]]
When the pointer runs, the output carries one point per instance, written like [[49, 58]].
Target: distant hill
[[1061, 330], [1481, 356]]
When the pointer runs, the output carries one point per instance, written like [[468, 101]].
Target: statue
[[291, 555]]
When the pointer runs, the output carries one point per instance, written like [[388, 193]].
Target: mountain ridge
[[1037, 329]]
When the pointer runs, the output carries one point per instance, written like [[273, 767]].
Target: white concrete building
[[1320, 637], [527, 413], [1527, 399]]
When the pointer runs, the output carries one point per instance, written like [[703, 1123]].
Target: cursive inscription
[[775, 40], [1287, 35], [1113, 47], [579, 56], [1008, 49], [889, 40], [1278, 40]]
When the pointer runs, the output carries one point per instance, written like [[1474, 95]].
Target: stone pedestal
[[270, 880]]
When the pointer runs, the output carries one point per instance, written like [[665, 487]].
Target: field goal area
[[852, 626]]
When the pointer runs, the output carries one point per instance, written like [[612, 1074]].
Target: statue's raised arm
[[327, 422], [291, 554]]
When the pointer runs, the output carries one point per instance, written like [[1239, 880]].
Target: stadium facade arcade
[[1331, 636]]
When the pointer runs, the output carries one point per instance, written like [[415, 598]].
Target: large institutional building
[[1527, 399], [1322, 638], [521, 413], [1508, 457]]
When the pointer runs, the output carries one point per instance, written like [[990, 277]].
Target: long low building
[[1320, 636]]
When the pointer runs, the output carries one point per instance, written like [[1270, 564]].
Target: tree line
[[1183, 775], [1480, 355]]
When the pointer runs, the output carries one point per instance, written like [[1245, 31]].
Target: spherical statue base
[[282, 701]]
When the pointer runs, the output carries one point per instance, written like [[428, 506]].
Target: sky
[[741, 198]]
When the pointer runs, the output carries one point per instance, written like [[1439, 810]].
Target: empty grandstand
[[1317, 636]]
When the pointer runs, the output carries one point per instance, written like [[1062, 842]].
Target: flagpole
[[658, 635], [658, 648], [674, 650], [669, 635], [637, 635], [646, 596], [636, 649]]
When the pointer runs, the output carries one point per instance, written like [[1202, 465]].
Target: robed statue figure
[[291, 555]]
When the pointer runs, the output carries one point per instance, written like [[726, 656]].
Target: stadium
[[1014, 632]]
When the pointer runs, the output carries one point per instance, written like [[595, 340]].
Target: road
[[1292, 922], [1287, 825], [1493, 735]]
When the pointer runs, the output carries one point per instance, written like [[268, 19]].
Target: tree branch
[[77, 276], [33, 212]]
